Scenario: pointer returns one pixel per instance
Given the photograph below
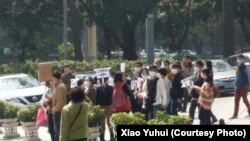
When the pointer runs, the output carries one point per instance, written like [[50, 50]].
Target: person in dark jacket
[[150, 88], [197, 81], [104, 99], [241, 86], [176, 92]]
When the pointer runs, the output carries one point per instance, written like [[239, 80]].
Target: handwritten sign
[[102, 72], [74, 82], [123, 67]]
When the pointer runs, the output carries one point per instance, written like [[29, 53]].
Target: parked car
[[79, 75], [20, 89], [157, 53], [117, 53], [184, 52], [232, 60], [224, 76]]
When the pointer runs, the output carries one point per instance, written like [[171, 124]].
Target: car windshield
[[14, 83], [221, 66]]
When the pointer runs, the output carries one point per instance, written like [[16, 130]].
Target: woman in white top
[[163, 89]]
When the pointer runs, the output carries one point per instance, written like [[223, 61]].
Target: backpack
[[121, 101]]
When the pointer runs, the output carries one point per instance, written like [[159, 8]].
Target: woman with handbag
[[74, 120]]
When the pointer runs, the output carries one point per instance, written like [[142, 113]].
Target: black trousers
[[193, 105]]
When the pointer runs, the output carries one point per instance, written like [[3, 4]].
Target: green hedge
[[31, 68]]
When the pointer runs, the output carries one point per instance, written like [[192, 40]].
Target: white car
[[20, 89], [157, 53], [183, 52]]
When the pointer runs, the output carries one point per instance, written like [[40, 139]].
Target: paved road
[[222, 108]]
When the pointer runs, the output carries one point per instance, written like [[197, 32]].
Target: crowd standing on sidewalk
[[149, 89]]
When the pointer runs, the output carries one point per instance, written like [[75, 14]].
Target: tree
[[76, 24], [243, 14], [25, 21], [119, 19], [175, 17]]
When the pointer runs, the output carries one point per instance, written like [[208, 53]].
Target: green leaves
[[2, 107], [10, 111], [128, 119], [95, 116], [163, 119], [28, 114]]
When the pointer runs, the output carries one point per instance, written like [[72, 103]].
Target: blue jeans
[[51, 126], [56, 120], [172, 107]]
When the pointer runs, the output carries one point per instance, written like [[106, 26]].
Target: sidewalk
[[222, 108]]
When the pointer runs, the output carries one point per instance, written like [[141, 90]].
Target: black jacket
[[104, 96], [198, 81], [176, 91]]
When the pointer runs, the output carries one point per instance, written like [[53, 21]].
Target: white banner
[[102, 72]]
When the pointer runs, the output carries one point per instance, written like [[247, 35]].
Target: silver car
[[224, 76]]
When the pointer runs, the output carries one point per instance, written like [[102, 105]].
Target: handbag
[[76, 116], [41, 119]]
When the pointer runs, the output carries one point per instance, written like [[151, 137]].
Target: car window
[[18, 83], [232, 61], [221, 66]]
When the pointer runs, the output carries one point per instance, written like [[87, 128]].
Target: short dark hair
[[138, 63], [199, 63], [152, 67], [80, 82], [186, 56], [176, 65], [163, 71], [167, 62], [77, 95], [118, 77], [57, 75]]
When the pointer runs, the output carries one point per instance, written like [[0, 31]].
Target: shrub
[[95, 116], [180, 120], [28, 114], [128, 119], [10, 111], [2, 107], [163, 119], [31, 67]]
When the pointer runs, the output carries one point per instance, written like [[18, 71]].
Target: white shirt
[[163, 91]]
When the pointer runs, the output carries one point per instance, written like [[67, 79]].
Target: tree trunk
[[129, 50], [23, 54], [76, 30], [228, 28], [107, 42]]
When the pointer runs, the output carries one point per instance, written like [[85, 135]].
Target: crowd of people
[[148, 90]]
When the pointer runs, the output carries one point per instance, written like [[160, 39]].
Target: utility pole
[[65, 28], [150, 38], [228, 28]]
